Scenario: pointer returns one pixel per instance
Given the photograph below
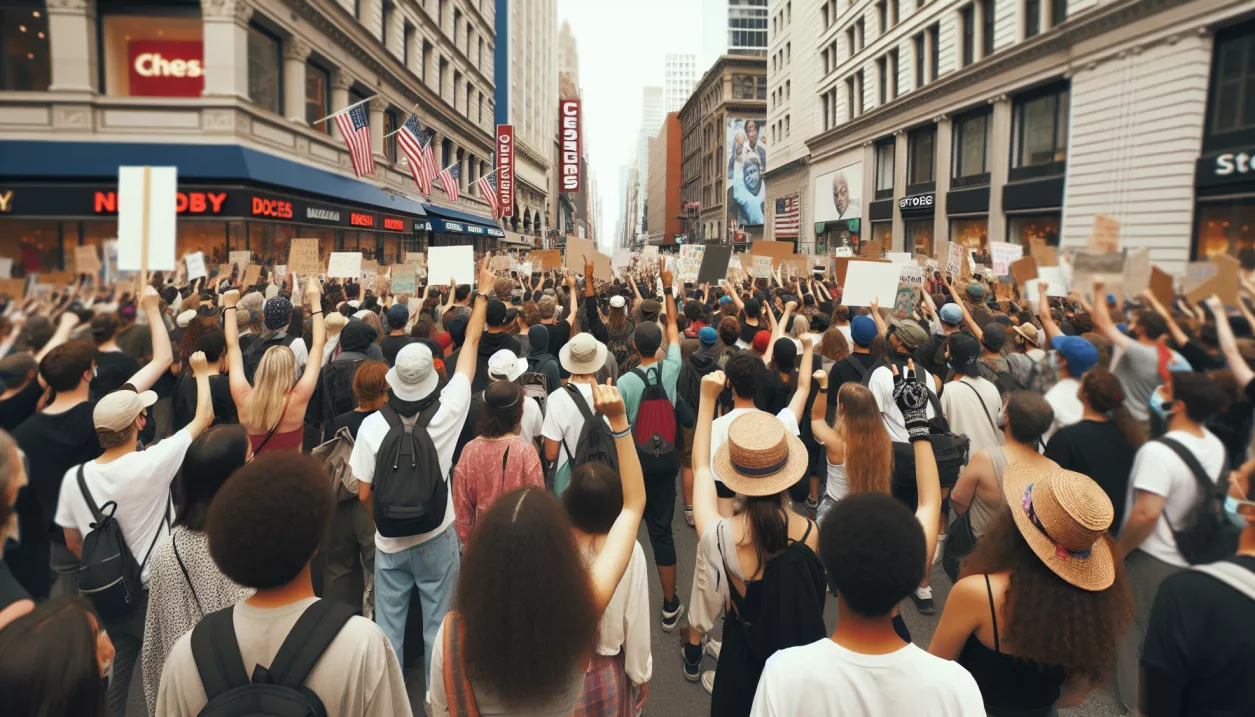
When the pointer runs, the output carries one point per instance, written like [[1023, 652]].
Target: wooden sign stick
[[143, 247]]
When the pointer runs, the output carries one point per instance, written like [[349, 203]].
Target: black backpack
[[864, 372], [1207, 535], [410, 492], [275, 691], [108, 575], [654, 432], [1005, 381], [535, 382], [596, 444], [258, 348]]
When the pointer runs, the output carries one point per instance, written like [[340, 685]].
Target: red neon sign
[[505, 169], [275, 208], [396, 225], [165, 68], [358, 219], [184, 202], [571, 134]]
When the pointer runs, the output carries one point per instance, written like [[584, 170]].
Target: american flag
[[488, 188], [411, 139], [449, 180], [786, 216]]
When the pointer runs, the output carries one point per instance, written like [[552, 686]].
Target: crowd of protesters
[[271, 499]]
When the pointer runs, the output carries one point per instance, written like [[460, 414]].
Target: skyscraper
[[681, 74], [733, 27], [528, 100], [651, 119]]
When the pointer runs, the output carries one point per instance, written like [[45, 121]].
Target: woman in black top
[[14, 600]]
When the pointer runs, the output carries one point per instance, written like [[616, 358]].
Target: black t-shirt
[[843, 371], [10, 589], [559, 334], [184, 402], [20, 406], [1099, 450], [53, 443], [1200, 648], [351, 420], [749, 332], [392, 345], [113, 369]]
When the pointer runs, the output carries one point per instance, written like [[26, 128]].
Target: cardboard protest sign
[[146, 218], [404, 279], [1161, 286], [872, 249], [369, 275], [689, 262], [777, 250], [795, 267], [603, 269], [545, 259], [1086, 262], [501, 263], [303, 257], [1223, 284], [415, 258], [6, 268], [868, 281], [457, 262], [954, 259], [1024, 270], [240, 258], [345, 265], [714, 266], [904, 300], [1136, 277], [621, 258], [762, 267], [223, 270], [1196, 272], [910, 275], [57, 278], [1105, 236], [524, 268], [1053, 276], [577, 250], [86, 260], [195, 265], [1003, 254], [13, 288], [900, 257], [252, 273], [280, 273], [1043, 254], [844, 251]]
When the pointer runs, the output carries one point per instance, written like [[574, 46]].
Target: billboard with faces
[[745, 153], [838, 195]]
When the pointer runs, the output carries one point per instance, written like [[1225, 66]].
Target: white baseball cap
[[617, 302], [118, 410], [414, 376]]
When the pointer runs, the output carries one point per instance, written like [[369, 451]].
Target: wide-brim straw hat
[[1064, 517], [761, 457]]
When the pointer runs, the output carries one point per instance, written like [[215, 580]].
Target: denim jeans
[[432, 567]]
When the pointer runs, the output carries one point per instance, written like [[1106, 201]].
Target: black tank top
[[1011, 686], [10, 589]]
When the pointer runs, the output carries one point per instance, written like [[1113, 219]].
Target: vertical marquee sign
[[505, 169], [569, 122]]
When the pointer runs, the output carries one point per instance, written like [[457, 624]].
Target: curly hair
[[833, 345], [1102, 391], [1047, 619], [526, 649]]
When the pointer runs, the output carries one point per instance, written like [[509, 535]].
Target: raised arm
[[797, 404], [673, 327], [163, 355], [309, 379], [240, 387], [1102, 320], [736, 296], [574, 312], [1228, 344], [967, 316], [610, 564], [468, 357], [705, 498], [65, 324], [911, 398], [204, 404], [1173, 328], [882, 329], [1043, 312]]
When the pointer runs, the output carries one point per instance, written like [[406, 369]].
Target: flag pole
[[340, 112], [412, 112]]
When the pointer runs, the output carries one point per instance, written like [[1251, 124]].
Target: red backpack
[[654, 432]]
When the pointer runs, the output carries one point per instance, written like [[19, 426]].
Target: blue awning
[[452, 221], [94, 161]]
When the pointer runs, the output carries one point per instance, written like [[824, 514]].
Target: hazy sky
[[621, 48]]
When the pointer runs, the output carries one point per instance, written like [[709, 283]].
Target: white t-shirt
[[1068, 408], [533, 419], [444, 429], [823, 678], [719, 431], [974, 410], [140, 484], [564, 421], [1158, 469], [881, 385]]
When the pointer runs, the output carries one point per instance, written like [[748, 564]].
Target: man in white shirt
[[1163, 491], [865, 669], [973, 409], [427, 561], [1073, 356], [138, 482], [904, 338], [564, 420]]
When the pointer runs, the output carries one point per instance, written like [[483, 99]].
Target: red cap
[[761, 339], [444, 340]]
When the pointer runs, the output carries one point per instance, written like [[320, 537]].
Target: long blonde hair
[[276, 375], [868, 449]]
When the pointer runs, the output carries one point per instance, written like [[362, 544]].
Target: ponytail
[[769, 525]]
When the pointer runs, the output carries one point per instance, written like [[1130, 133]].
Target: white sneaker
[[941, 549], [713, 647], [708, 681]]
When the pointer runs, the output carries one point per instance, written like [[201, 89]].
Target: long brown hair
[[833, 345], [868, 448], [1102, 391], [1047, 619]]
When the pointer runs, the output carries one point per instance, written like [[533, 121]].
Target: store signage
[[421, 226], [184, 202], [318, 214], [472, 229], [570, 133], [273, 208], [6, 202], [394, 224], [1228, 163], [505, 169], [916, 203], [358, 219], [166, 68], [454, 227]]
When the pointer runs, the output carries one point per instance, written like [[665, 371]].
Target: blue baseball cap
[[863, 330], [725, 299], [1080, 354], [708, 336], [951, 314]]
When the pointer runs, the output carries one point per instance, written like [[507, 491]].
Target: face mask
[[1231, 505], [1159, 405], [1054, 360]]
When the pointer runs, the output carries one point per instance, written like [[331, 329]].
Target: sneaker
[[812, 506], [671, 614], [708, 681], [692, 670], [713, 647], [941, 549], [688, 516], [923, 599]]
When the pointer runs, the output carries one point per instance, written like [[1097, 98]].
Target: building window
[[859, 33], [921, 144], [1040, 128], [762, 88], [457, 23], [884, 168], [457, 86], [481, 108], [469, 88], [849, 94], [920, 75], [426, 59], [827, 111], [444, 70], [317, 96], [882, 12], [479, 58], [919, 236], [895, 12], [1022, 229], [988, 18], [1058, 12], [971, 135], [882, 80], [389, 11], [934, 61], [446, 153], [390, 123], [1032, 17], [1233, 80], [786, 125], [849, 41], [1225, 228], [407, 30], [967, 20], [265, 69], [883, 233], [25, 58], [858, 90], [893, 73], [972, 233]]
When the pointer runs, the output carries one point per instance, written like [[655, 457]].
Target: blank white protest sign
[[161, 218], [451, 261]]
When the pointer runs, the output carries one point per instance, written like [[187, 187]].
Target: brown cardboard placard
[[57, 278], [1044, 255], [303, 257], [224, 270], [1005, 292], [1161, 286], [777, 250], [602, 267], [13, 288], [1224, 284], [577, 250], [872, 249], [1024, 270], [86, 259], [1105, 236], [251, 275], [545, 259]]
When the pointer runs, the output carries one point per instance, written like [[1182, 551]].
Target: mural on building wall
[[838, 195], [746, 152]]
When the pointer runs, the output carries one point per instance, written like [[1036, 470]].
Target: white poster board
[[866, 281], [900, 257], [6, 268], [621, 258], [1003, 255], [1053, 276], [345, 265], [240, 258], [910, 274], [161, 220], [195, 265], [457, 262]]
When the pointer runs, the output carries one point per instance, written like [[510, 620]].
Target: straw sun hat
[[1063, 517], [760, 457]]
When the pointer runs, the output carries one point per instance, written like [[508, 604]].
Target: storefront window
[[972, 233], [921, 146], [1225, 228], [265, 69], [919, 236], [1040, 131], [1233, 80], [158, 54], [883, 233], [1022, 229], [317, 96], [33, 245], [25, 61], [884, 168]]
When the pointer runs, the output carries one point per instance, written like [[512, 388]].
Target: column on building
[[340, 83], [226, 47], [377, 106], [943, 151], [371, 18], [295, 53], [415, 43], [999, 165], [900, 241], [460, 154], [72, 27]]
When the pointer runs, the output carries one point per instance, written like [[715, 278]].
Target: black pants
[[659, 511], [127, 634]]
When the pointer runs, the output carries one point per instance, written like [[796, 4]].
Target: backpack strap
[[1205, 483], [216, 652], [87, 495], [390, 415], [157, 536], [1231, 574], [643, 374], [580, 403], [186, 576], [858, 366], [305, 644], [984, 408]]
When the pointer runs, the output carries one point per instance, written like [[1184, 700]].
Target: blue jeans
[[432, 567]]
